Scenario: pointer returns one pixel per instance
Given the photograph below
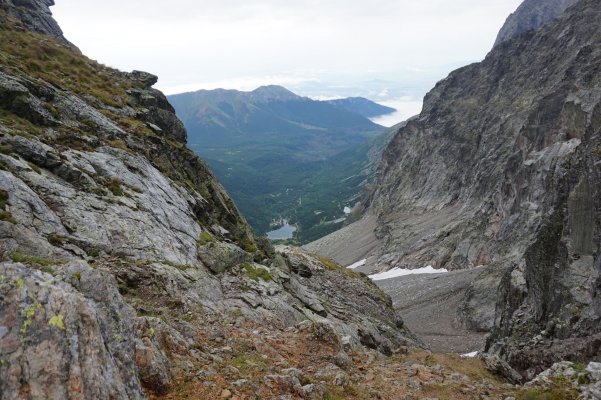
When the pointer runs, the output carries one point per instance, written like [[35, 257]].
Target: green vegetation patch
[[3, 199], [99, 191], [550, 394], [75, 141], [332, 265], [561, 389], [118, 144], [250, 365], [257, 273], [35, 168], [205, 238], [39, 263], [181, 267], [5, 149], [93, 252], [15, 122], [328, 263], [346, 392], [114, 186], [249, 246], [56, 240], [8, 217]]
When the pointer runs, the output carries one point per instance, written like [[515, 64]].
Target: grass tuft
[[205, 238], [3, 199], [8, 217], [114, 186], [257, 273], [39, 263]]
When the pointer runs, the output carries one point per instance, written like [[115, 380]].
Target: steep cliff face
[[124, 265], [531, 15], [476, 162], [502, 169]]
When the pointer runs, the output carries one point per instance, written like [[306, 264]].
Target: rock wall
[[501, 168]]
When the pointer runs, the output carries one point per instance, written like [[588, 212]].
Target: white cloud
[[406, 107], [189, 42]]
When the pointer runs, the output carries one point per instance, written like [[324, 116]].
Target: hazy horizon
[[387, 51]]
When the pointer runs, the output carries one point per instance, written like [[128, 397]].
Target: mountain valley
[[282, 156], [128, 272]]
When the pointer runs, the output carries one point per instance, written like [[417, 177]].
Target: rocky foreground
[[126, 272]]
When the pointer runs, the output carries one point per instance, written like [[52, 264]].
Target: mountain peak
[[273, 92], [531, 14]]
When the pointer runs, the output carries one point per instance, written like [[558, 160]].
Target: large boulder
[[66, 337]]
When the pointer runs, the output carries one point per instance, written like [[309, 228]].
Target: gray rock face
[[65, 337], [35, 15], [156, 111], [587, 382], [17, 98], [220, 256], [502, 169], [531, 15], [325, 292]]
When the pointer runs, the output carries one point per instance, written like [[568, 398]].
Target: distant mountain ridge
[[362, 106], [281, 155], [225, 117]]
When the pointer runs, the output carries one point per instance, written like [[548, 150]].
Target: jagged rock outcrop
[[34, 15], [531, 15], [501, 168], [124, 265]]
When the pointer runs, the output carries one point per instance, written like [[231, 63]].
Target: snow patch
[[396, 272], [357, 264], [470, 355]]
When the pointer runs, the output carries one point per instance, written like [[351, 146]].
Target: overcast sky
[[241, 44]]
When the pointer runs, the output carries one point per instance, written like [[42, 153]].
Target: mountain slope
[[281, 155], [501, 169], [126, 271], [362, 106]]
